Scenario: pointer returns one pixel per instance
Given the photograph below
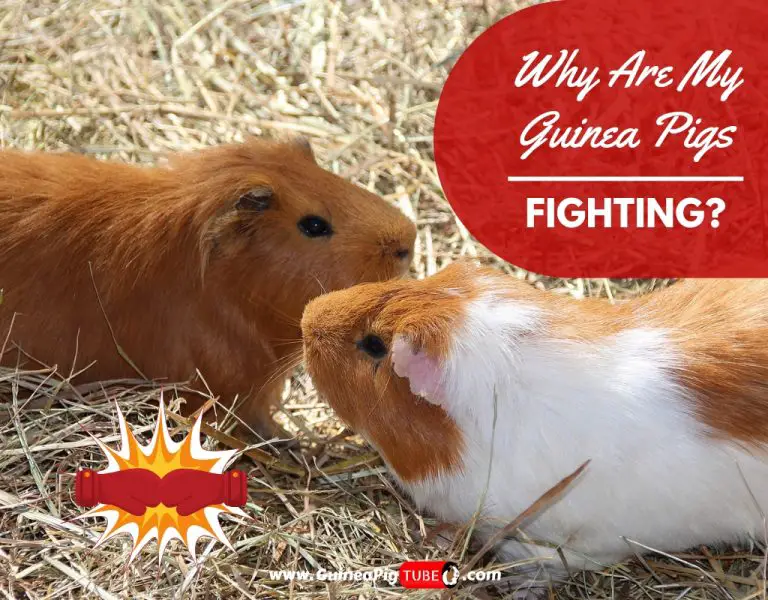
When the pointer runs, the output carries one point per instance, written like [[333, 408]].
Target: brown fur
[[187, 280], [720, 328]]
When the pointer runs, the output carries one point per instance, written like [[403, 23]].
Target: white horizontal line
[[657, 178]]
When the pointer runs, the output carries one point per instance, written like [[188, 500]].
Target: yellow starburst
[[161, 456]]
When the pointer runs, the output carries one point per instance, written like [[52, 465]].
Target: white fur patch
[[655, 477]]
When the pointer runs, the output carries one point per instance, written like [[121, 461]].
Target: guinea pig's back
[[718, 331], [43, 193], [70, 248]]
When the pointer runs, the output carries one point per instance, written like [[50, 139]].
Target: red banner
[[614, 139]]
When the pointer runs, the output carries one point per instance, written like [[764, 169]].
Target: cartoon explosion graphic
[[163, 491]]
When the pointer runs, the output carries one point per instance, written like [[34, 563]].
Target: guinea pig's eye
[[313, 226], [373, 346]]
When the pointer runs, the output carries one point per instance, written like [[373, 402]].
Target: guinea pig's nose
[[312, 328]]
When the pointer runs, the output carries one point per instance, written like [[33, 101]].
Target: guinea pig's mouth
[[317, 344], [399, 256], [311, 355], [401, 270], [311, 339]]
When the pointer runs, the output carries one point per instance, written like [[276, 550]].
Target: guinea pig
[[478, 388], [204, 265]]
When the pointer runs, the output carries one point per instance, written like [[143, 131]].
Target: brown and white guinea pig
[[205, 264], [667, 395]]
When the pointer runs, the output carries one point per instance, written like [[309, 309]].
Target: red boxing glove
[[133, 490], [189, 490]]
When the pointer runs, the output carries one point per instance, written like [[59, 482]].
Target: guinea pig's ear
[[257, 199], [303, 144], [423, 372]]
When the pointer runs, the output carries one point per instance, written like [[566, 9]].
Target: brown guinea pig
[[483, 392], [204, 265]]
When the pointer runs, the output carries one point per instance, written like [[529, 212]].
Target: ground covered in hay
[[132, 81]]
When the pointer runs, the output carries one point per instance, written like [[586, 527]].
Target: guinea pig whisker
[[281, 316], [291, 358], [366, 271], [276, 375], [320, 283], [283, 366], [376, 404], [287, 344]]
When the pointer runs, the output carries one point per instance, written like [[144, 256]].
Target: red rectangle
[[422, 574]]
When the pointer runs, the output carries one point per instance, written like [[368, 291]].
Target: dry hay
[[133, 80]]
